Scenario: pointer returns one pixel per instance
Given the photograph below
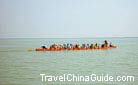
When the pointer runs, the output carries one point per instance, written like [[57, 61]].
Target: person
[[106, 43], [76, 46], [43, 46], [65, 46], [96, 46], [71, 45], [60, 47], [91, 46], [88, 46], [110, 45], [53, 47], [102, 46], [79, 46], [83, 46]]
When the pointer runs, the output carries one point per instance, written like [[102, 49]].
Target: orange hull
[[45, 49]]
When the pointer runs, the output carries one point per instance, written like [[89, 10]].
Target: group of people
[[78, 46]]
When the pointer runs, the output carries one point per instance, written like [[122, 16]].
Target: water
[[18, 66]]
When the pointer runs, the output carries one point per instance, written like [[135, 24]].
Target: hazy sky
[[68, 18]]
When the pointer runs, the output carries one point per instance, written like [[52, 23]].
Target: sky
[[68, 18]]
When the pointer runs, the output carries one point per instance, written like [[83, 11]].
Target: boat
[[73, 49]]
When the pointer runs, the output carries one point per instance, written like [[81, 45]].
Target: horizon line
[[60, 37]]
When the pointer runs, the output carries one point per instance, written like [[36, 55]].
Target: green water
[[20, 67]]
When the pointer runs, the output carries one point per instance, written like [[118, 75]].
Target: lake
[[18, 66]]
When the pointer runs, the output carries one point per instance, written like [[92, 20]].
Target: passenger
[[95, 46], [79, 46], [88, 46], [59, 46], [43, 47], [71, 45], [55, 47], [102, 46], [51, 47], [98, 46], [65, 46], [83, 46], [76, 46], [91, 46], [110, 45], [106, 43]]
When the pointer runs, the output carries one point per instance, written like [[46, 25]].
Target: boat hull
[[45, 49]]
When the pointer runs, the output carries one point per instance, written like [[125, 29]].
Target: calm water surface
[[18, 66]]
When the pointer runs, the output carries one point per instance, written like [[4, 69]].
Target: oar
[[29, 50]]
